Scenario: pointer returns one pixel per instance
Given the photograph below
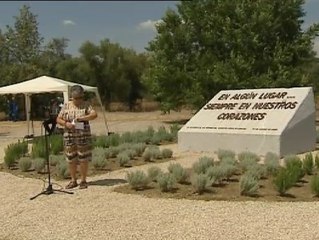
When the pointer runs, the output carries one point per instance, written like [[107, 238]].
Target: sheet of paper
[[79, 125]]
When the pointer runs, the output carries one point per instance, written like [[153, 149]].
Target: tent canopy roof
[[42, 84]]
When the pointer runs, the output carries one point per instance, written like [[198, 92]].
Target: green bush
[[147, 155], [56, 144], [39, 148], [137, 180], [167, 153], [228, 160], [216, 174], [203, 164], [100, 141], [247, 163], [55, 159], [179, 173], [174, 128], [25, 164], [200, 182], [126, 137], [114, 151], [271, 162], [139, 148], [257, 171], [13, 152], [223, 153], [317, 161], [99, 161], [164, 135], [294, 166], [228, 169], [248, 155], [113, 140], [124, 158], [153, 172], [166, 182], [63, 170], [315, 185], [248, 185], [308, 164], [155, 139], [283, 181], [39, 164]]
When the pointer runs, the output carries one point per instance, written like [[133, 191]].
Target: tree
[[23, 41], [211, 45]]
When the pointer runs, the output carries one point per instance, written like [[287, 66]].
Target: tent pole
[[103, 112]]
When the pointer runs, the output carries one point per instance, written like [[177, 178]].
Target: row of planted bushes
[[207, 173], [15, 151]]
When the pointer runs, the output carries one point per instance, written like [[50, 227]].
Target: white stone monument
[[278, 120]]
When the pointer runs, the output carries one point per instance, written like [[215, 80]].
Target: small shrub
[[308, 164], [99, 151], [10, 155], [228, 169], [147, 155], [222, 154], [248, 185], [99, 161], [166, 182], [317, 161], [139, 148], [123, 158], [200, 182], [153, 172], [283, 181], [126, 137], [113, 140], [25, 164], [271, 162], [257, 171], [155, 152], [247, 163], [179, 173], [216, 174], [63, 170], [39, 164], [174, 131], [167, 153], [56, 144], [203, 164], [55, 159], [248, 155], [315, 185], [228, 160], [100, 141], [155, 139], [137, 179], [294, 166], [39, 148], [164, 135], [114, 151]]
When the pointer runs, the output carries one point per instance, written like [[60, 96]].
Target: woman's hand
[[69, 125]]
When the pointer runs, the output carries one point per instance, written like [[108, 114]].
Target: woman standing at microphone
[[75, 116]]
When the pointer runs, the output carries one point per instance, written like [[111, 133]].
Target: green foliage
[[25, 163], [174, 128], [222, 154], [152, 153], [167, 153], [317, 161], [137, 179], [153, 172], [308, 164], [13, 152], [99, 158], [63, 170], [248, 156], [216, 174], [139, 148], [257, 171], [294, 166], [314, 185], [200, 182], [248, 185], [124, 158], [55, 159], [56, 144], [202, 164], [39, 164], [284, 180], [166, 182], [38, 148], [272, 163], [202, 48], [147, 155], [228, 160], [179, 173]]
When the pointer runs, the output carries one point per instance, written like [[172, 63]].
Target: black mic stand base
[[50, 190]]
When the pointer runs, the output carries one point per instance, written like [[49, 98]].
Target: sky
[[130, 23]]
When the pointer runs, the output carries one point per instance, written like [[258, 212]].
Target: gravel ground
[[100, 213]]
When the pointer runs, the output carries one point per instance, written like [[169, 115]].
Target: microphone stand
[[49, 190]]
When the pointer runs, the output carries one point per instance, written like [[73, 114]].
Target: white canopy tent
[[45, 84]]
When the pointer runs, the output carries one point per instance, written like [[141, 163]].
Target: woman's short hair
[[76, 90]]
